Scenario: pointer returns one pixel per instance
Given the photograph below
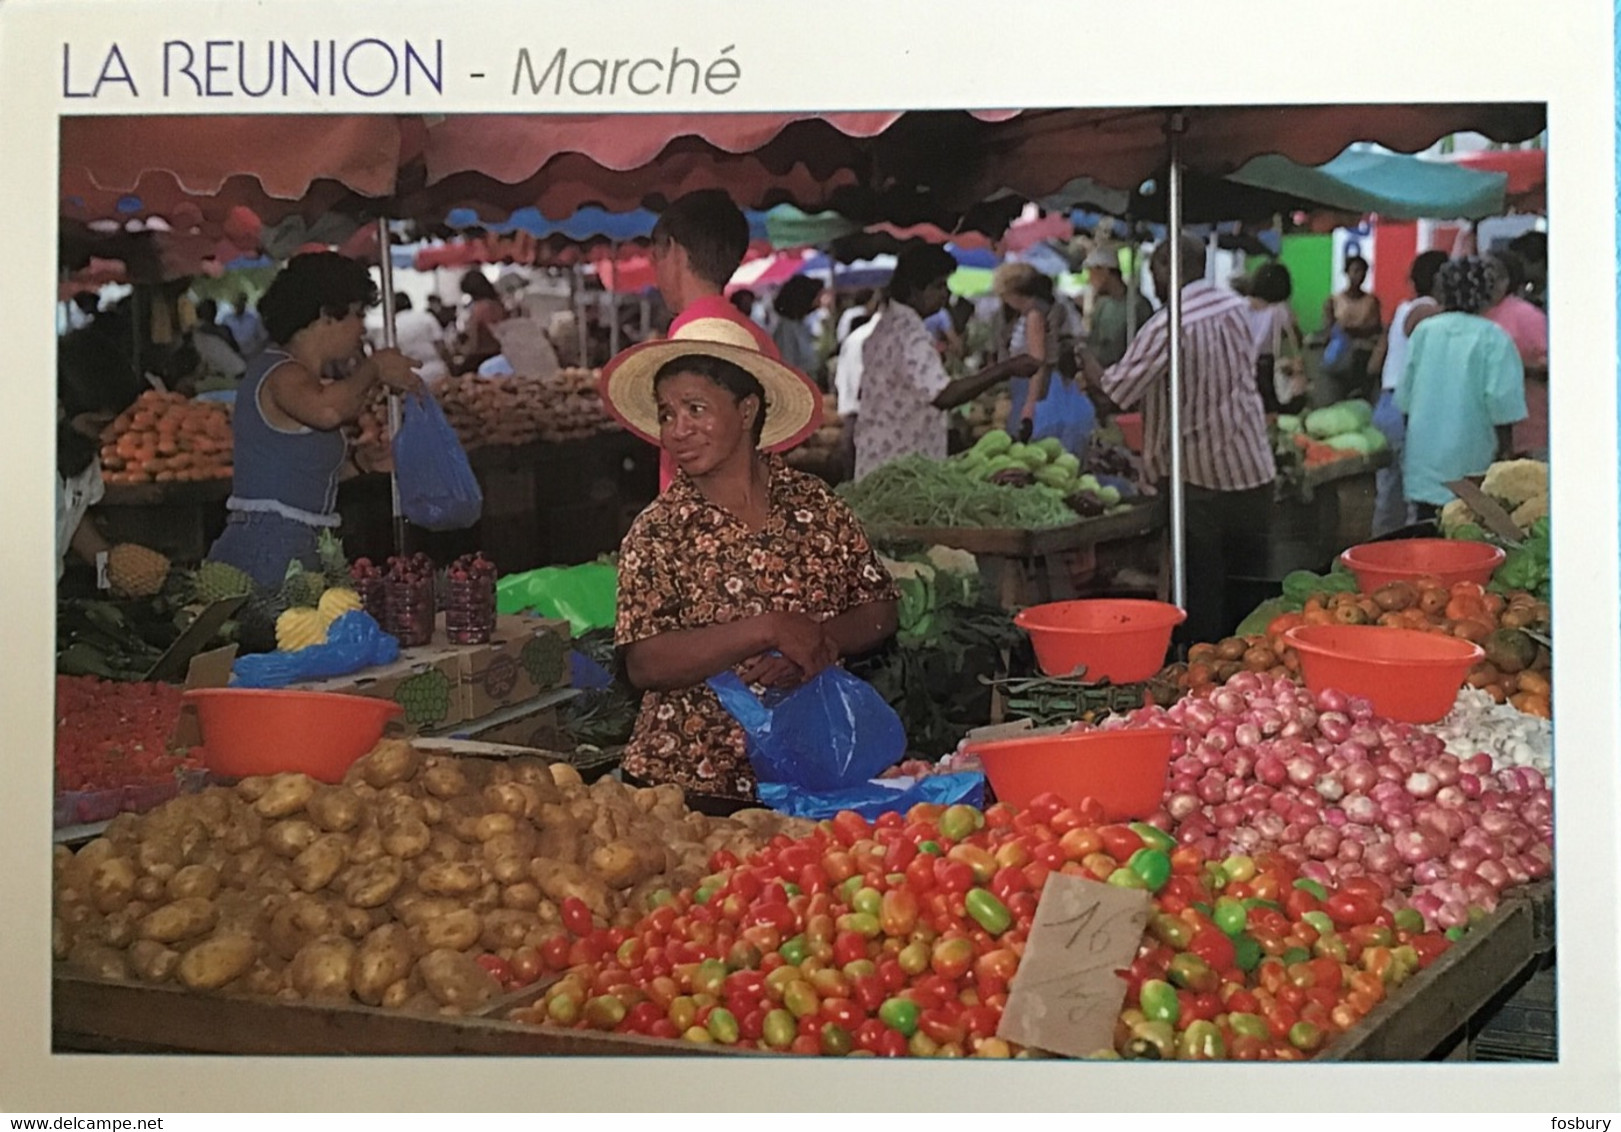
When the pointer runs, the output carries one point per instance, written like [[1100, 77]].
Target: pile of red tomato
[[111, 734], [901, 937]]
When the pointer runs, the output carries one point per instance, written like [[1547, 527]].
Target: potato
[[512, 799], [213, 808], [182, 919], [373, 885], [509, 869], [618, 864], [314, 868], [242, 869], [455, 980], [456, 878], [523, 896], [391, 761], [246, 910], [357, 923], [442, 849], [119, 928], [253, 787], [218, 960], [559, 841], [506, 928], [419, 909], [323, 968], [572, 880], [122, 831], [152, 962], [538, 777], [462, 815], [368, 846], [194, 880], [98, 960], [396, 995], [457, 930], [287, 795], [297, 923], [443, 779], [397, 811], [433, 811], [491, 826], [266, 978], [61, 938], [385, 957], [112, 884], [290, 838], [244, 829], [485, 899], [565, 775], [334, 809], [159, 856]]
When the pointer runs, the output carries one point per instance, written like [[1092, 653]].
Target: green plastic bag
[[584, 596]]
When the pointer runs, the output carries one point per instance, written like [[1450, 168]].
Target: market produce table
[[91, 1015], [545, 503], [1027, 567]]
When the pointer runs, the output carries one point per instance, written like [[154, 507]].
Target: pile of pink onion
[[1263, 764]]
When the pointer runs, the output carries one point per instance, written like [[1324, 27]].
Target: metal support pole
[[1134, 279], [576, 300], [385, 267], [1179, 542], [614, 296]]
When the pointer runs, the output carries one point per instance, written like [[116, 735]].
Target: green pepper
[[1201, 1041], [1456, 933], [1204, 909], [1230, 915], [850, 886], [1331, 946], [779, 1029], [1153, 1041], [1295, 955], [1187, 970], [836, 1040], [1125, 877], [1251, 1024], [723, 1026], [1253, 902], [1171, 930], [791, 889], [931, 847], [1153, 836], [1305, 1036], [1319, 921], [866, 899], [1153, 866], [704, 895], [1239, 867], [987, 911], [1159, 1002], [862, 923], [1312, 887], [793, 950], [899, 1014], [1247, 953]]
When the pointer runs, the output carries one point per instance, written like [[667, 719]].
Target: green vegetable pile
[[1529, 564], [916, 491], [1298, 587], [930, 582], [1347, 426]]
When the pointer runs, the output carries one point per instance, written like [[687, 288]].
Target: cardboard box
[[540, 730], [441, 684]]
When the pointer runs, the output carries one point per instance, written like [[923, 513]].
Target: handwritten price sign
[[1066, 996]]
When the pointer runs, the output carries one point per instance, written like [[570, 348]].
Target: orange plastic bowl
[[1119, 639], [1124, 771], [1445, 559], [264, 731], [1131, 430], [1407, 674]]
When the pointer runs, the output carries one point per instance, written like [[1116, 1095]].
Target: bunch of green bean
[[916, 491]]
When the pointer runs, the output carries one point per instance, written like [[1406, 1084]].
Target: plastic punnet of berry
[[470, 600], [408, 600]]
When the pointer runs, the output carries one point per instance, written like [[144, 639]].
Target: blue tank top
[[293, 473]]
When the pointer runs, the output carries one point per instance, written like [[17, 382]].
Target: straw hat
[[793, 408]]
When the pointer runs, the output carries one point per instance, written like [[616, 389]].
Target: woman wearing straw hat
[[743, 564]]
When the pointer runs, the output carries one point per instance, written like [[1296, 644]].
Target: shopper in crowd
[[1527, 325], [905, 389], [1462, 390], [744, 299], [443, 313], [847, 382], [82, 412], [216, 345], [862, 304], [1391, 511], [245, 325], [743, 565], [1112, 305], [1046, 328], [420, 338], [1227, 458], [1353, 314], [1532, 248], [478, 342], [1280, 371], [795, 339], [291, 407], [697, 245], [1027, 307]]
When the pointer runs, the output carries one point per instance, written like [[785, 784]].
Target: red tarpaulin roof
[[1527, 171]]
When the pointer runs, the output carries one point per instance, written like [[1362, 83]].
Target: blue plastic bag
[[438, 490], [872, 799], [832, 732], [1338, 350], [353, 642]]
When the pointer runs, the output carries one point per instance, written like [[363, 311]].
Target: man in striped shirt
[[1227, 459]]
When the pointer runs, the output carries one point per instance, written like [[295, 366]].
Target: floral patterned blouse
[[901, 375], [687, 564]]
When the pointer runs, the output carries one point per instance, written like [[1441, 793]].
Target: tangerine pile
[[167, 438], [1517, 668]]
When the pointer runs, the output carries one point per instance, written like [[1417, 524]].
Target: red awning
[[1527, 171]]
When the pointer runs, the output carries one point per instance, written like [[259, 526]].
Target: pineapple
[[301, 586], [299, 628], [336, 601], [135, 571], [216, 581], [334, 566]]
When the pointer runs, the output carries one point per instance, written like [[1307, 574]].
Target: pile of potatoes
[[384, 889]]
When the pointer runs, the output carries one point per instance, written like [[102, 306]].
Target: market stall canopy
[[1391, 185], [1526, 169]]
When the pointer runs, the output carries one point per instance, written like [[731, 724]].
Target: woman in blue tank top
[[289, 450]]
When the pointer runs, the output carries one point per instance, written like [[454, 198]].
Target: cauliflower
[[1530, 511], [1454, 514], [956, 575], [1514, 482]]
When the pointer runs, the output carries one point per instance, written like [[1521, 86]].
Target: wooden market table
[[1026, 567], [1416, 1023]]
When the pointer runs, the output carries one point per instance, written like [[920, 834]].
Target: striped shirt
[[1223, 421]]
